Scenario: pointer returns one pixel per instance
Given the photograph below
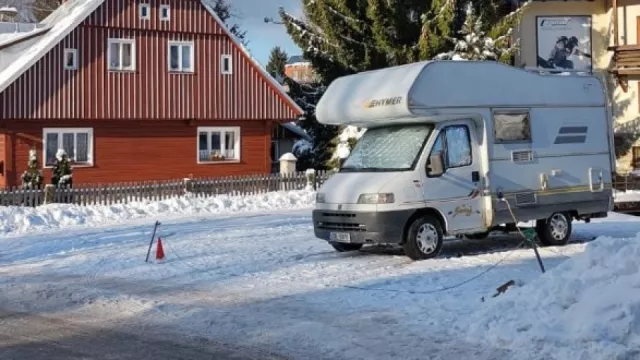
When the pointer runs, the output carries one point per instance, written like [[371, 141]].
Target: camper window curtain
[[512, 127], [458, 146]]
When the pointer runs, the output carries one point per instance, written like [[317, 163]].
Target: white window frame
[[180, 44], [121, 42], [222, 130], [144, 6], [228, 71], [75, 131], [162, 8], [74, 52]]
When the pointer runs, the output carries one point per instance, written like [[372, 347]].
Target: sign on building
[[564, 42]]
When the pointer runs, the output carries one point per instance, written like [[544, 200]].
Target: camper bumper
[[360, 227]]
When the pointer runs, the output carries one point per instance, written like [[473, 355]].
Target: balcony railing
[[627, 59]]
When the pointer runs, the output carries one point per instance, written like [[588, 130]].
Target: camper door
[[451, 178]]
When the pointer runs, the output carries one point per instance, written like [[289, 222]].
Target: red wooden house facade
[[136, 90]]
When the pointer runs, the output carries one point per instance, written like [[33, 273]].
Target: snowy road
[[30, 336], [260, 286]]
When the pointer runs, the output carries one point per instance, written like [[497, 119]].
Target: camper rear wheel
[[424, 238], [556, 230], [340, 247]]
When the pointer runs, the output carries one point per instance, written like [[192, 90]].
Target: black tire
[[417, 250], [340, 247], [556, 230], [477, 236]]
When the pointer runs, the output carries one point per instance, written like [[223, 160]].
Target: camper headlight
[[320, 198], [386, 198]]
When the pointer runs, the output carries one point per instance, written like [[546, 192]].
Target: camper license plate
[[340, 237]]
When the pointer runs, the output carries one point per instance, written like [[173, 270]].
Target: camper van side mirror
[[436, 164]]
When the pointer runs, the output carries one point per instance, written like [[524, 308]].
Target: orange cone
[[159, 250]]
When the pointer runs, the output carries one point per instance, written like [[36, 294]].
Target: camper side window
[[454, 143], [512, 127]]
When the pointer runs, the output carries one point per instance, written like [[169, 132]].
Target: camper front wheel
[[554, 231], [424, 238]]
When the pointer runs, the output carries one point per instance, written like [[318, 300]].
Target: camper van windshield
[[393, 148]]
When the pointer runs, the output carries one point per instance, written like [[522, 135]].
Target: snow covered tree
[[475, 44], [341, 37], [277, 62], [306, 96], [32, 177], [61, 170], [347, 140]]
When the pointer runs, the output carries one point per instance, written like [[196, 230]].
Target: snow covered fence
[[123, 193]]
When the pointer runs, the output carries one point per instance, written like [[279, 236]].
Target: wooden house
[[135, 90]]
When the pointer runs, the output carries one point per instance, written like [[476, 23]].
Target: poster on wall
[[564, 42]]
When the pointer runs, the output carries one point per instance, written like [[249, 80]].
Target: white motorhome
[[464, 148]]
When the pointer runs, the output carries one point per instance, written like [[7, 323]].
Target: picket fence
[[122, 193]]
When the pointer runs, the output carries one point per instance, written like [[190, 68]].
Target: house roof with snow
[[19, 52], [297, 59], [297, 130]]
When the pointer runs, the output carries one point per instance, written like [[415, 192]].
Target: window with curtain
[[76, 143], [218, 144]]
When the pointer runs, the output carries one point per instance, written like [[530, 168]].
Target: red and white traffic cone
[[159, 250]]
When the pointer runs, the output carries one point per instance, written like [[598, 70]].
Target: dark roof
[[296, 59]]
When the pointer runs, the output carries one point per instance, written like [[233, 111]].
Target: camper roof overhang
[[398, 94]]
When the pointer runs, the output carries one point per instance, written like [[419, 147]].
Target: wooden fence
[[122, 193]]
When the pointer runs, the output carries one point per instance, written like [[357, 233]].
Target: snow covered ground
[[586, 308], [20, 220], [259, 280]]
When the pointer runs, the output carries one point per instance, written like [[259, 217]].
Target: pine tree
[[307, 95], [32, 177], [277, 62], [341, 37], [62, 170], [225, 12], [42, 8], [475, 44], [31, 10]]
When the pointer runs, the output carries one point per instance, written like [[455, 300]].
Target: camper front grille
[[335, 226], [527, 198], [522, 156], [343, 215]]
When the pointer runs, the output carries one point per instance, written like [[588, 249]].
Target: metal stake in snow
[[529, 235], [151, 242]]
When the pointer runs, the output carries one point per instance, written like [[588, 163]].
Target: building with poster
[[591, 36]]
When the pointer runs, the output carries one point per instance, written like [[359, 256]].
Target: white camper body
[[452, 146]]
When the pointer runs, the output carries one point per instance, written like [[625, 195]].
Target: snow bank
[[629, 195], [25, 219], [586, 308]]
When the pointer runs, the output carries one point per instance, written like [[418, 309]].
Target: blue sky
[[263, 37]]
